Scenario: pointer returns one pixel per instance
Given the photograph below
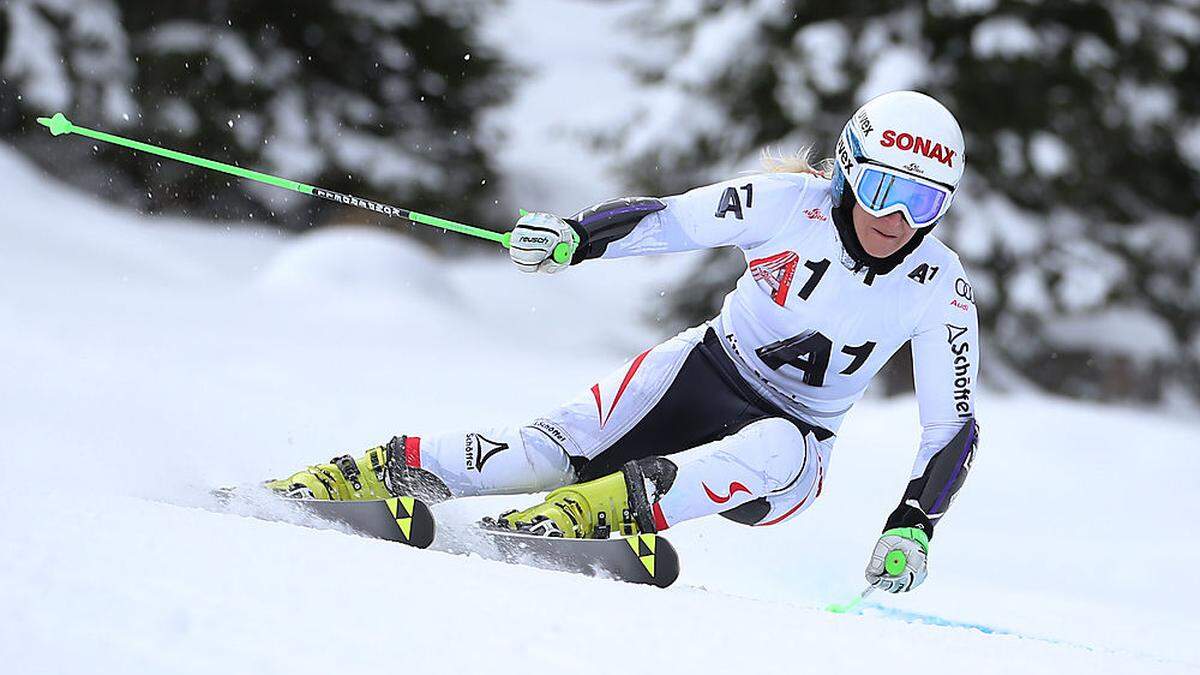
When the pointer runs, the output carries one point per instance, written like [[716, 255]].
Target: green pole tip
[[846, 608], [58, 125], [895, 563], [523, 212]]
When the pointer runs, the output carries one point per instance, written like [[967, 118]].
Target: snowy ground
[[144, 361]]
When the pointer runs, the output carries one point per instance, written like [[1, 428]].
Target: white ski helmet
[[901, 151]]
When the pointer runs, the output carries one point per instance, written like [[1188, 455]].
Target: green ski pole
[[849, 606], [894, 564], [60, 125]]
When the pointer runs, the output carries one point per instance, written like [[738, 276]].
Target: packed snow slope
[[146, 360]]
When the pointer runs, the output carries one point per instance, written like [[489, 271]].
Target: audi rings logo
[[963, 289]]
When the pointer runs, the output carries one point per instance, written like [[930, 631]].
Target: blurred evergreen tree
[[1080, 218], [378, 98]]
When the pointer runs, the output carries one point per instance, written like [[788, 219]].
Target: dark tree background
[[1078, 220], [377, 98]]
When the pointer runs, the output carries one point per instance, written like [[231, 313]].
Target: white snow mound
[[349, 259], [146, 361]]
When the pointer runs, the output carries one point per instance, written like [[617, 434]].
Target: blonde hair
[[798, 161]]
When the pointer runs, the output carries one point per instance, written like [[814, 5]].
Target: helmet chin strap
[[843, 219]]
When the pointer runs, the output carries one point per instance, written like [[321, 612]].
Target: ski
[[639, 559], [405, 520]]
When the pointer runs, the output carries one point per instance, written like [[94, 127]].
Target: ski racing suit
[[745, 407]]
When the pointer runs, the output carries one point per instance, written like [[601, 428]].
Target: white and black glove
[[536, 238], [898, 563]]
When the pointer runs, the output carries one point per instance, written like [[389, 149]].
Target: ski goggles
[[881, 190]]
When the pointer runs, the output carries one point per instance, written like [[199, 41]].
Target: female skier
[[738, 416]]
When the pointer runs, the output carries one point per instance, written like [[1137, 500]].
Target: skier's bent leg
[[769, 463], [495, 462], [436, 468], [765, 459]]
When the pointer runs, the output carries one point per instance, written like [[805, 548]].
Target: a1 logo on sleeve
[[731, 201]]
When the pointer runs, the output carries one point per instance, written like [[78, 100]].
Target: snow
[[30, 55], [1116, 330], [1188, 142], [235, 57], [148, 360], [824, 45], [897, 67], [967, 7], [1090, 52], [1000, 224], [1147, 105], [549, 162], [1004, 36], [1049, 155]]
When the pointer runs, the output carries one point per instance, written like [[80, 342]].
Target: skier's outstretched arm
[[742, 212], [945, 368]]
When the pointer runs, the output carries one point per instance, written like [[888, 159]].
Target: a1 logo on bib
[[774, 274]]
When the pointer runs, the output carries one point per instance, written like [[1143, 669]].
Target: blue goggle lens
[[878, 190]]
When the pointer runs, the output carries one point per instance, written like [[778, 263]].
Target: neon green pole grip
[[562, 253]]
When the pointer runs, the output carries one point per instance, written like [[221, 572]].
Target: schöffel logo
[[919, 145], [479, 450], [960, 348]]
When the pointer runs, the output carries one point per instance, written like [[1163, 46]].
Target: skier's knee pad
[[792, 475], [778, 448]]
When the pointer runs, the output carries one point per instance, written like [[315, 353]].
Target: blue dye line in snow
[[932, 620]]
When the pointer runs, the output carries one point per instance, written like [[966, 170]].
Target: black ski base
[[405, 520], [639, 559]]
